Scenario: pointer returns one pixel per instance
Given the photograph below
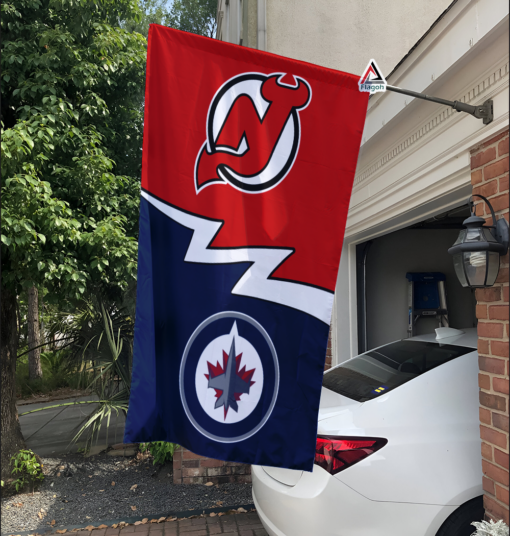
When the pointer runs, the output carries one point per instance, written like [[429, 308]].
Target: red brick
[[480, 208], [487, 451], [492, 401], [506, 293], [190, 463], [502, 276], [503, 184], [495, 509], [499, 203], [492, 141], [481, 312], [476, 177], [193, 471], [188, 455], [485, 416], [491, 294], [494, 472], [490, 364], [493, 436], [500, 385], [488, 485], [193, 531], [503, 147], [502, 494], [490, 330], [500, 421], [499, 348], [498, 312], [483, 346], [484, 382], [486, 189], [501, 458], [495, 170], [211, 463], [483, 157]]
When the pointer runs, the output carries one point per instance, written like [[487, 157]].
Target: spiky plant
[[489, 528]]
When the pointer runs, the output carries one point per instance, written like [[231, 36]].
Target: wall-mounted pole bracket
[[484, 111]]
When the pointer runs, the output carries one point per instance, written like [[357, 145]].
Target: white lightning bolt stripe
[[255, 282]]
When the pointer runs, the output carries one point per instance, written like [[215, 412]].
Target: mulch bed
[[78, 490]]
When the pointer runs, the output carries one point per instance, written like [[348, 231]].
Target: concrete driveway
[[50, 432]]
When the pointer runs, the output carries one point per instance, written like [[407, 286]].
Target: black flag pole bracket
[[485, 111]]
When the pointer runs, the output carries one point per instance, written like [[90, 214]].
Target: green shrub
[[161, 451], [55, 362], [26, 468], [56, 375]]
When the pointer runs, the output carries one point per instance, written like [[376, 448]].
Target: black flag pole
[[484, 111]]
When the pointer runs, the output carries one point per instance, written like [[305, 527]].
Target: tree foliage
[[195, 16], [72, 87]]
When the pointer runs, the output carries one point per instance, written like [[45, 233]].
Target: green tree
[[152, 12], [195, 16], [72, 120]]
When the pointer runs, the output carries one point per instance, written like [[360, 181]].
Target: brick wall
[[489, 176], [191, 468]]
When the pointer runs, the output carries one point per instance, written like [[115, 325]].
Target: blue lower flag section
[[227, 376]]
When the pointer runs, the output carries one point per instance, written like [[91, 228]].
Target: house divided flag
[[247, 170]]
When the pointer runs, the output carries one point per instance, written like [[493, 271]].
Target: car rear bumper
[[320, 504]]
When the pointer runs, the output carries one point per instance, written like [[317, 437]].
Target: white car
[[398, 448]]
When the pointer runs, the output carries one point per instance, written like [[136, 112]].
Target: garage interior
[[382, 287]]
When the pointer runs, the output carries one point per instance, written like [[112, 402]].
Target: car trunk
[[331, 404]]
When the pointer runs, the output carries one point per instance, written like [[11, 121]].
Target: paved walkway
[[50, 432], [229, 525]]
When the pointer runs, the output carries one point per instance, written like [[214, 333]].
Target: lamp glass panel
[[461, 237], [474, 235], [493, 269], [475, 264], [489, 236], [459, 269]]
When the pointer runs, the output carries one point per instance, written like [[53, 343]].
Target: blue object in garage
[[426, 297]]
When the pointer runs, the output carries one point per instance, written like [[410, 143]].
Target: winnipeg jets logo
[[253, 132], [229, 382], [229, 377]]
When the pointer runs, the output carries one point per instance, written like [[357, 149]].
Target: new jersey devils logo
[[253, 132]]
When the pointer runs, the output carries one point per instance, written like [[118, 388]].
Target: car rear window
[[369, 375]]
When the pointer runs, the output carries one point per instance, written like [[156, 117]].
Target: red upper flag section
[[266, 144]]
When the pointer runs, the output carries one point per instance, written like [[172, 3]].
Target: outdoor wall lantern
[[478, 248]]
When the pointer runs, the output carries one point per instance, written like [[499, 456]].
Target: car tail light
[[334, 453]]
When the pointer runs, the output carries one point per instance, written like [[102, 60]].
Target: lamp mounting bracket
[[483, 111]]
